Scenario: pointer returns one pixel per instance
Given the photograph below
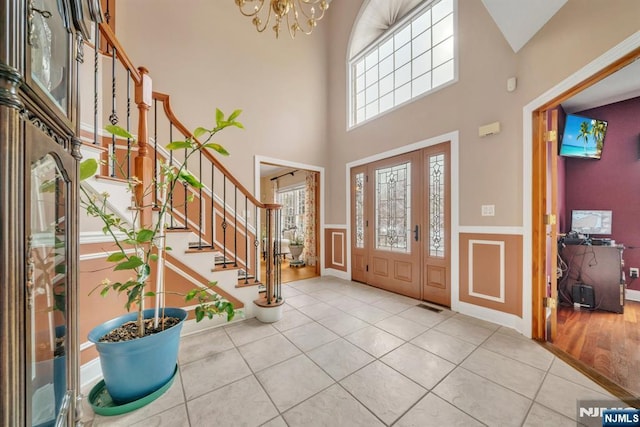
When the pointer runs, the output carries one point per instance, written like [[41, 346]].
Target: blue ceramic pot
[[134, 369]]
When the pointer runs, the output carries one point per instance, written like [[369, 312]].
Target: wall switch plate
[[634, 272], [488, 210]]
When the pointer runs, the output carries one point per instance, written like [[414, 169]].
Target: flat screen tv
[[591, 222], [583, 137]]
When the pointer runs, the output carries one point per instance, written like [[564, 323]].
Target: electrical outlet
[[634, 272]]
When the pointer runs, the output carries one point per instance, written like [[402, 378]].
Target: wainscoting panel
[[491, 271], [335, 252]]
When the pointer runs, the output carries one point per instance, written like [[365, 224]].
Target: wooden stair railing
[[224, 215]]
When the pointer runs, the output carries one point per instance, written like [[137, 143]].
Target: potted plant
[[138, 351]]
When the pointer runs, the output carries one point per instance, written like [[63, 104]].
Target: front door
[[400, 222]]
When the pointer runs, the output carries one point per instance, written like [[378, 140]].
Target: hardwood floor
[[291, 274], [608, 342]]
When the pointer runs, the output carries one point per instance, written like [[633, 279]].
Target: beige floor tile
[[392, 305], [464, 330], [343, 324], [401, 327], [484, 400], [331, 407], [510, 373], [203, 344], [293, 381], [340, 358], [174, 417], [450, 348], [432, 411], [369, 313], [540, 416], [302, 300], [385, 392], [248, 331], [320, 310], [213, 372], [563, 370], [267, 352], [310, 336], [423, 367], [276, 422], [374, 341], [242, 403], [291, 319], [526, 351]]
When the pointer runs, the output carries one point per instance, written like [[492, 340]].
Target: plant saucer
[[102, 403]]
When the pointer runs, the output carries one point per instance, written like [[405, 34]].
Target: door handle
[[416, 233]]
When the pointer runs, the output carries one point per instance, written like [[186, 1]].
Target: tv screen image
[[591, 222], [583, 137]]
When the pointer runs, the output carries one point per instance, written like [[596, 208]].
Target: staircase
[[215, 232]]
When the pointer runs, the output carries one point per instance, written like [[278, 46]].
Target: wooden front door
[[400, 224]]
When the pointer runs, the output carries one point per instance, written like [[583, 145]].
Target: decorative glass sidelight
[[437, 205], [393, 208], [359, 209]]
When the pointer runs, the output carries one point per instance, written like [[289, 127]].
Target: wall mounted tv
[[583, 137], [591, 222]]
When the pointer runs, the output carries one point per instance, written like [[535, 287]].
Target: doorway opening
[[562, 262], [296, 188]]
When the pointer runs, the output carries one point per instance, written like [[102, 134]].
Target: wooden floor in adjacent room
[[291, 274], [608, 342]]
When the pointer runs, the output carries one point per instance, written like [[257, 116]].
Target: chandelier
[[297, 15]]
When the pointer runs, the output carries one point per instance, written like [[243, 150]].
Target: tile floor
[[346, 354]]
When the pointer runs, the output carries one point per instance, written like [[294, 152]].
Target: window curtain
[[309, 252]]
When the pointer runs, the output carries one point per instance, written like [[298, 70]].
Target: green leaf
[[150, 294], [217, 147], [233, 115], [219, 117], [153, 257], [190, 179], [168, 248], [191, 294], [116, 256], [238, 125], [118, 131], [144, 235], [88, 168], [130, 264], [177, 145], [199, 314], [199, 132]]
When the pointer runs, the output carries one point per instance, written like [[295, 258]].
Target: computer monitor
[[591, 222]]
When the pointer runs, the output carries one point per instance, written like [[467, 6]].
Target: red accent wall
[[613, 182]]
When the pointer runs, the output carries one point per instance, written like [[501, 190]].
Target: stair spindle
[[113, 118], [246, 240], [213, 198], [224, 221], [155, 151], [200, 201], [128, 123], [235, 226], [256, 244]]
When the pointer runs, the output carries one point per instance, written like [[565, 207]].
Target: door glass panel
[[393, 208], [46, 290], [359, 208], [49, 42], [436, 206]]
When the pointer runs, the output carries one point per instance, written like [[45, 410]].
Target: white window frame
[[299, 191], [375, 45]]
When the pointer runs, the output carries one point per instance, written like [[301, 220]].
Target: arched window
[[399, 50]]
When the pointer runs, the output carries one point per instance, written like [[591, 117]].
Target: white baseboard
[[335, 273], [90, 372], [632, 295], [505, 319]]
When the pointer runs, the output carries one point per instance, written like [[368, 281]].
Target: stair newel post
[[278, 260], [143, 163], [270, 253]]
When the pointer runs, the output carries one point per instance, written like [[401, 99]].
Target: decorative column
[[12, 249], [143, 163]]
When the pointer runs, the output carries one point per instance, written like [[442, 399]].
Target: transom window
[[410, 59]]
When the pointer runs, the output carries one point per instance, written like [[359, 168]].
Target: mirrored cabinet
[[39, 157]]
